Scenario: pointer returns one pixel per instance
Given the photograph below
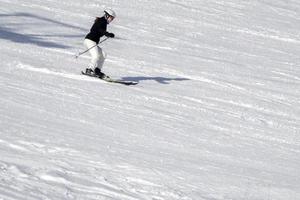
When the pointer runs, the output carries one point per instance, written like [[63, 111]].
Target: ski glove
[[111, 35]]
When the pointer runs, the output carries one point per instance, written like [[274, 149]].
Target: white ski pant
[[97, 54]]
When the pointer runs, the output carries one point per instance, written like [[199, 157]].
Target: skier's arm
[[102, 31], [111, 35], [106, 33]]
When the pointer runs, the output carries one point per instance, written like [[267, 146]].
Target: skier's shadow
[[161, 80]]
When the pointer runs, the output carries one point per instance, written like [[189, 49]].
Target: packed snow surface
[[215, 116]]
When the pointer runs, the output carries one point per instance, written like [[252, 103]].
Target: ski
[[110, 80]]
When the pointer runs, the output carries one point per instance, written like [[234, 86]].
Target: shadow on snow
[[8, 34], [15, 35]]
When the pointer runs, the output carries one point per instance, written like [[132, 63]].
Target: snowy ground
[[215, 116]]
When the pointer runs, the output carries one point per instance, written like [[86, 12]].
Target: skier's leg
[[101, 58], [98, 69], [97, 60], [94, 52]]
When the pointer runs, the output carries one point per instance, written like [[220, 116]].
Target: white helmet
[[110, 12]]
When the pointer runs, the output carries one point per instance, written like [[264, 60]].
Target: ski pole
[[83, 52]]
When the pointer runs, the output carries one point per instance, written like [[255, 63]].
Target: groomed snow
[[215, 116]]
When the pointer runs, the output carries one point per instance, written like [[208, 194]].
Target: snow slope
[[215, 115]]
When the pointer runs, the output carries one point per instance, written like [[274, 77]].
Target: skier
[[92, 39]]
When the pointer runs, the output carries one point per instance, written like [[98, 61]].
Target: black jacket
[[98, 30]]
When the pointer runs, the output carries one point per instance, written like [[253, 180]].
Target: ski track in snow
[[59, 74], [215, 115]]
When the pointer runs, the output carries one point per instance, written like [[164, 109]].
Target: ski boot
[[89, 71], [100, 74]]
